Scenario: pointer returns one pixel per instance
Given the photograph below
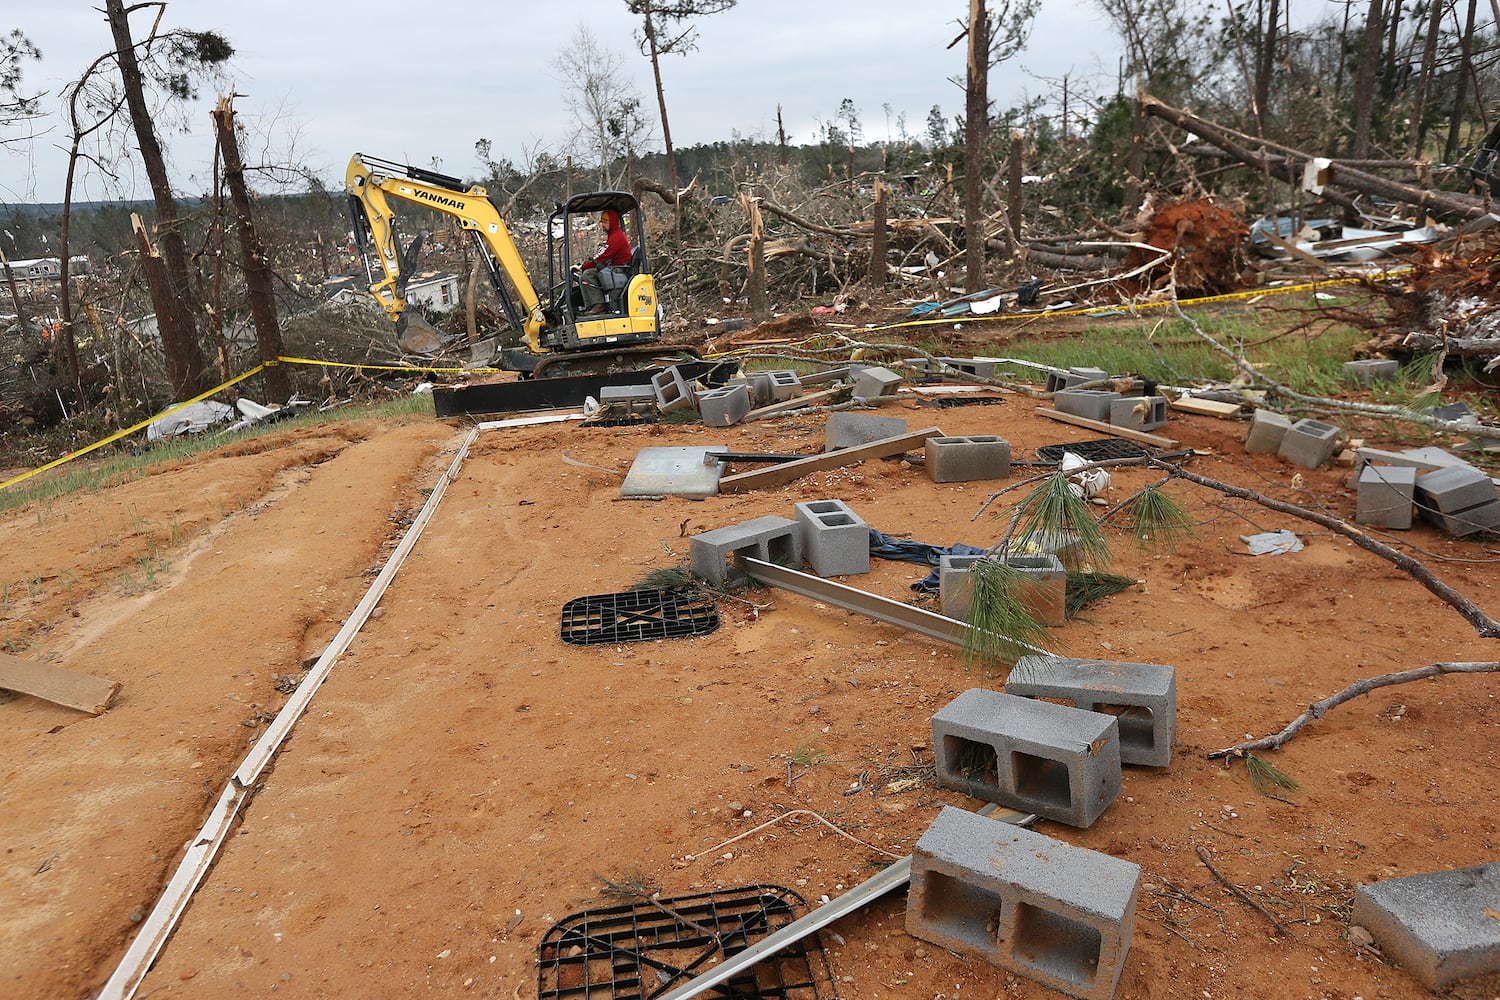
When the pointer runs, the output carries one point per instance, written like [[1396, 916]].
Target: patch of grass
[[808, 755], [105, 468], [1162, 347]]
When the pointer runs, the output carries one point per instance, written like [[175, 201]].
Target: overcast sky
[[424, 80]]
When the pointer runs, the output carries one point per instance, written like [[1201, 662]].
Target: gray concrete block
[[1141, 696], [726, 405], [1267, 428], [1437, 925], [1042, 591], [1094, 404], [1368, 371], [1046, 910], [770, 539], [1309, 443], [967, 459], [1059, 762], [774, 386], [972, 367], [1386, 496], [872, 383], [1454, 488], [1484, 517], [673, 392], [1139, 413], [627, 394], [835, 540], [846, 430], [1060, 380]]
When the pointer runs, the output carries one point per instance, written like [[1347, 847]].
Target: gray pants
[[595, 281]]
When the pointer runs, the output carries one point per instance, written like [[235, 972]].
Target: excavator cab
[[630, 291]]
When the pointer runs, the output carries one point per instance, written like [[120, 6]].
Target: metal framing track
[[882, 609]]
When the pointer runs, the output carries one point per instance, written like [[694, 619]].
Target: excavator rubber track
[[613, 361]]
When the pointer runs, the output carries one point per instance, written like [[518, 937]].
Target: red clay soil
[[464, 779]]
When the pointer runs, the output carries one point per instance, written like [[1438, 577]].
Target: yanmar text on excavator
[[555, 336]]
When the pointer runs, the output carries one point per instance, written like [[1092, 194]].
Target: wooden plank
[[786, 472], [1206, 407], [1169, 444], [61, 687], [795, 403]]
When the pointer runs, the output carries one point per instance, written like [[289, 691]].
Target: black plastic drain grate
[[948, 402], [1099, 450], [635, 616], [637, 951]]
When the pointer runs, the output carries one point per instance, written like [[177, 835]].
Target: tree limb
[[1318, 709]]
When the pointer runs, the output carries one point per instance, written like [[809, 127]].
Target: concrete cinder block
[[1368, 371], [1046, 910], [725, 406], [774, 386], [835, 540], [967, 459], [1386, 496], [1060, 380], [1438, 925], [1309, 443], [1140, 413], [1485, 517], [872, 383], [1042, 591], [1454, 488], [1267, 428], [1059, 762], [971, 367], [673, 392], [770, 539], [846, 430], [1141, 696], [634, 398], [1093, 404]]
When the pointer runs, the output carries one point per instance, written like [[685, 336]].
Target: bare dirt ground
[[462, 765]]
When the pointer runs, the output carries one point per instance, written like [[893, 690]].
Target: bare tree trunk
[[1265, 64], [1135, 160], [1460, 89], [1418, 139], [976, 134], [258, 288], [179, 335], [661, 97], [780, 137], [759, 311], [878, 241], [1014, 194], [1364, 80], [15, 294]]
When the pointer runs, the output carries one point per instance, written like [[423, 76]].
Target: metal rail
[[893, 877], [882, 609]]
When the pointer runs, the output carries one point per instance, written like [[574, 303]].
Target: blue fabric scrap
[[905, 550]]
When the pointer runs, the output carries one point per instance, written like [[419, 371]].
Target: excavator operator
[[602, 273]]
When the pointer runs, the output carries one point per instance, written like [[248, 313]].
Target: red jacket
[[616, 249]]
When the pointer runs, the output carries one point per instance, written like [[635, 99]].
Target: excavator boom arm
[[372, 183]]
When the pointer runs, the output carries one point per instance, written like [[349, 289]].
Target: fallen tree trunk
[[1288, 165]]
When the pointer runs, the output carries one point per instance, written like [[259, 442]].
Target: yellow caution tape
[[130, 430]]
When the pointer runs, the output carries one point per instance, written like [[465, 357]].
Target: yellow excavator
[[555, 337]]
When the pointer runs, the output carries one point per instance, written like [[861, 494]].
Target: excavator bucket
[[415, 335]]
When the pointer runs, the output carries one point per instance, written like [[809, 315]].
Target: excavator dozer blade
[[415, 335]]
